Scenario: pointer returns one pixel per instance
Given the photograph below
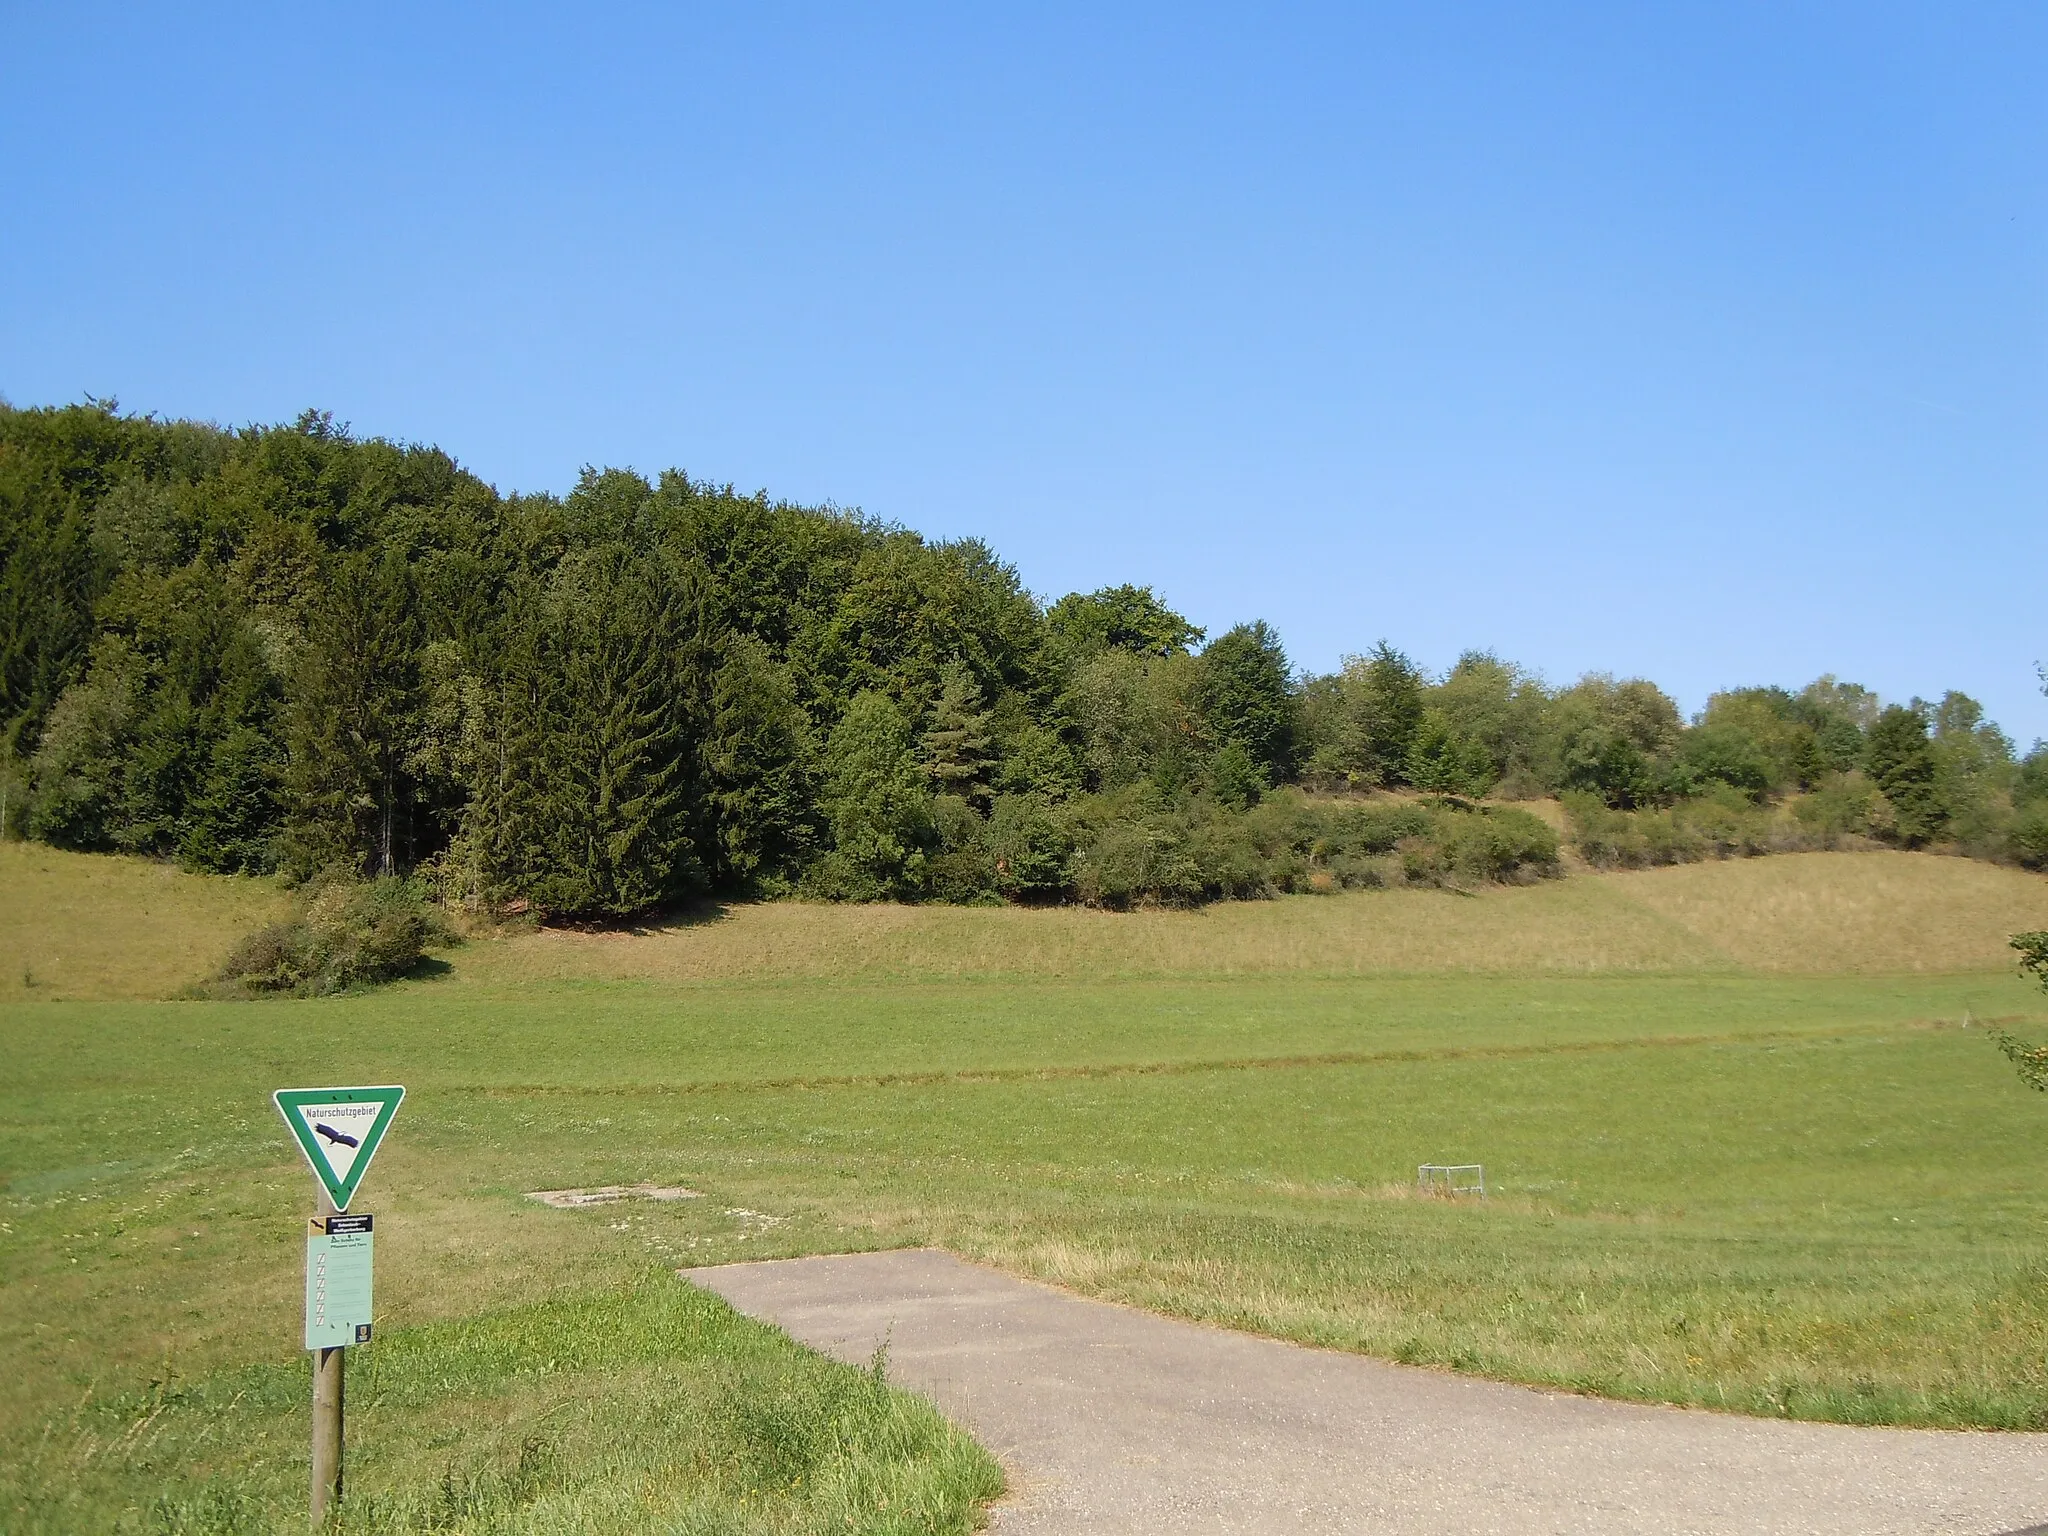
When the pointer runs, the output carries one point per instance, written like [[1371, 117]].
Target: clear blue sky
[[1707, 343]]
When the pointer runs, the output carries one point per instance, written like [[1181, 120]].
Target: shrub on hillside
[[1030, 852], [1722, 823], [1138, 863], [1725, 823], [2029, 836], [961, 869], [1499, 844], [1842, 806], [1292, 843], [1138, 847], [345, 933]]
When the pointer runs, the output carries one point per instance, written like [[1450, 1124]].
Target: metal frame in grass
[[1443, 1179]]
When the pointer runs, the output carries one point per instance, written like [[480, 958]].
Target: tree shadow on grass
[[430, 968], [692, 914]]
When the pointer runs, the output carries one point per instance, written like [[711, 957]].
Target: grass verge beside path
[[648, 1405]]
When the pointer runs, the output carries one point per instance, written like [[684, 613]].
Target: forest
[[290, 650]]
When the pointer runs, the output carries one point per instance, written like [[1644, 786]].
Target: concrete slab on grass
[[1111, 1420]]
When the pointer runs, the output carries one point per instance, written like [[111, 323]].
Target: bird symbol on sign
[[335, 1136]]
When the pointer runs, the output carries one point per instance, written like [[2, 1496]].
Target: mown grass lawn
[[1780, 1193]]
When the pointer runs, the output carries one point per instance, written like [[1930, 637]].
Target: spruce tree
[[756, 766], [354, 697], [1383, 710], [955, 748], [590, 811]]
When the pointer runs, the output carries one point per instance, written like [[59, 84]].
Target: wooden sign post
[[329, 1377], [339, 1130]]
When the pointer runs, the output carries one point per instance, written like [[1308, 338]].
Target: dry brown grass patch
[[1572, 926], [101, 926], [1847, 912]]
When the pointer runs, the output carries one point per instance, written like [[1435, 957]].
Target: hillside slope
[[91, 927], [1871, 913], [103, 926]]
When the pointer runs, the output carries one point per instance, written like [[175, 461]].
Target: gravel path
[[1114, 1421]]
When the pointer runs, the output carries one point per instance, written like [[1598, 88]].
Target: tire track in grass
[[1113, 1070]]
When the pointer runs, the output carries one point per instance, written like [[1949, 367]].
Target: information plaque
[[338, 1252]]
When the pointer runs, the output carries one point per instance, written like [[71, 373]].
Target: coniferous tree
[[1234, 779], [352, 716], [1379, 711], [229, 819], [756, 762], [955, 748], [232, 821], [49, 580], [503, 843], [609, 816]]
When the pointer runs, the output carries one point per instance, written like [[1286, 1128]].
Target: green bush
[[1615, 839], [1138, 847], [962, 869], [1227, 857], [1729, 824], [2029, 836], [1723, 753], [1032, 852], [1375, 829], [1138, 862], [1290, 843], [1723, 823], [1840, 806], [345, 934], [1498, 844]]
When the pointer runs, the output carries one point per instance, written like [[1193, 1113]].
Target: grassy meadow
[[1745, 1151]]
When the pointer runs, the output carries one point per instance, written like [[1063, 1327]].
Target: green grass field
[[1721, 1178]]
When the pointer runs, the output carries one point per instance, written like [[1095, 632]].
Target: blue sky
[[1707, 343]]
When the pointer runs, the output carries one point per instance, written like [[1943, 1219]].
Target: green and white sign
[[339, 1130], [338, 1257]]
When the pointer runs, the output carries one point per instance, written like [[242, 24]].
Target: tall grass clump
[[343, 933]]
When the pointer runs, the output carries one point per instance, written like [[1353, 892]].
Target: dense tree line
[[285, 648]]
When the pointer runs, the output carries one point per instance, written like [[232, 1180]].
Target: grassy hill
[[1743, 1153], [86, 927], [83, 925], [1862, 913]]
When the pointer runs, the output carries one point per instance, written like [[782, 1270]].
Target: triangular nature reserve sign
[[339, 1129]]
